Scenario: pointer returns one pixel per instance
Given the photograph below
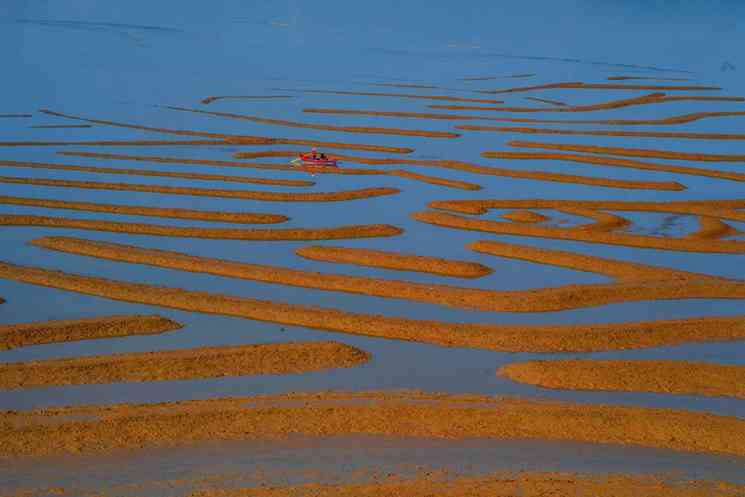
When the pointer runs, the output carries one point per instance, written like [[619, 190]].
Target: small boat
[[308, 160]]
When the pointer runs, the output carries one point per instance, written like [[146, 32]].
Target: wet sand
[[156, 174], [209, 100], [98, 429], [434, 180], [216, 216], [667, 121], [325, 127], [658, 376], [26, 334], [632, 152], [574, 132], [601, 86], [405, 95], [501, 484], [184, 364], [265, 196], [263, 234], [112, 143], [236, 139], [579, 338], [613, 161], [524, 216], [581, 234], [394, 260]]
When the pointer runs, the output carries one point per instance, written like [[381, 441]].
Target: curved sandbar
[[524, 216], [581, 234], [324, 127], [632, 152], [405, 95], [265, 196], [95, 429], [680, 119], [156, 174], [434, 180], [132, 210], [612, 161], [73, 330], [673, 377], [236, 139], [429, 483], [574, 132], [601, 86], [565, 338], [394, 260], [209, 100], [644, 78], [184, 364], [264, 234]]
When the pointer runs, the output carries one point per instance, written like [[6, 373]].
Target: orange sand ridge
[[666, 121], [186, 364], [394, 260], [265, 196], [237, 139], [673, 377], [263, 234], [404, 95], [524, 216], [155, 174], [601, 86], [580, 338], [573, 132], [96, 429], [72, 330], [113, 143], [325, 127], [501, 484], [216, 216]]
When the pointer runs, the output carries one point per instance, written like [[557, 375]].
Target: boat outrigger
[[314, 159]]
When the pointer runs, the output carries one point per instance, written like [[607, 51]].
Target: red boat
[[308, 160]]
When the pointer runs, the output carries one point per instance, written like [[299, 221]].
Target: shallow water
[[121, 62]]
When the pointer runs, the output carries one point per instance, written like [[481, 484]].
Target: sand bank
[[615, 162], [405, 95], [111, 143], [216, 216], [557, 103], [503, 484], [644, 78], [434, 180], [601, 86], [236, 139], [680, 119], [486, 78], [581, 234], [73, 330], [209, 100], [673, 377], [156, 174], [632, 152], [574, 132], [524, 216], [419, 115], [324, 127], [394, 260], [61, 126], [262, 234], [96, 429], [185, 364], [571, 338], [266, 196]]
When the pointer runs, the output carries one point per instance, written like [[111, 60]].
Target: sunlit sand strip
[[644, 78], [508, 483], [434, 180], [156, 174], [516, 338], [602, 221], [574, 132], [601, 86], [325, 127], [673, 377], [725, 209], [238, 139], [524, 216], [265, 196], [73, 330], [220, 163], [94, 429], [405, 95], [712, 228], [681, 119], [209, 100], [186, 364], [557, 103], [131, 210], [615, 162], [419, 115], [61, 126], [113, 143], [394, 260], [264, 234], [631, 152], [581, 235], [15, 116]]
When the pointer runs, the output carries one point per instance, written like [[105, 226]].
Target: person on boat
[[314, 153], [323, 156]]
